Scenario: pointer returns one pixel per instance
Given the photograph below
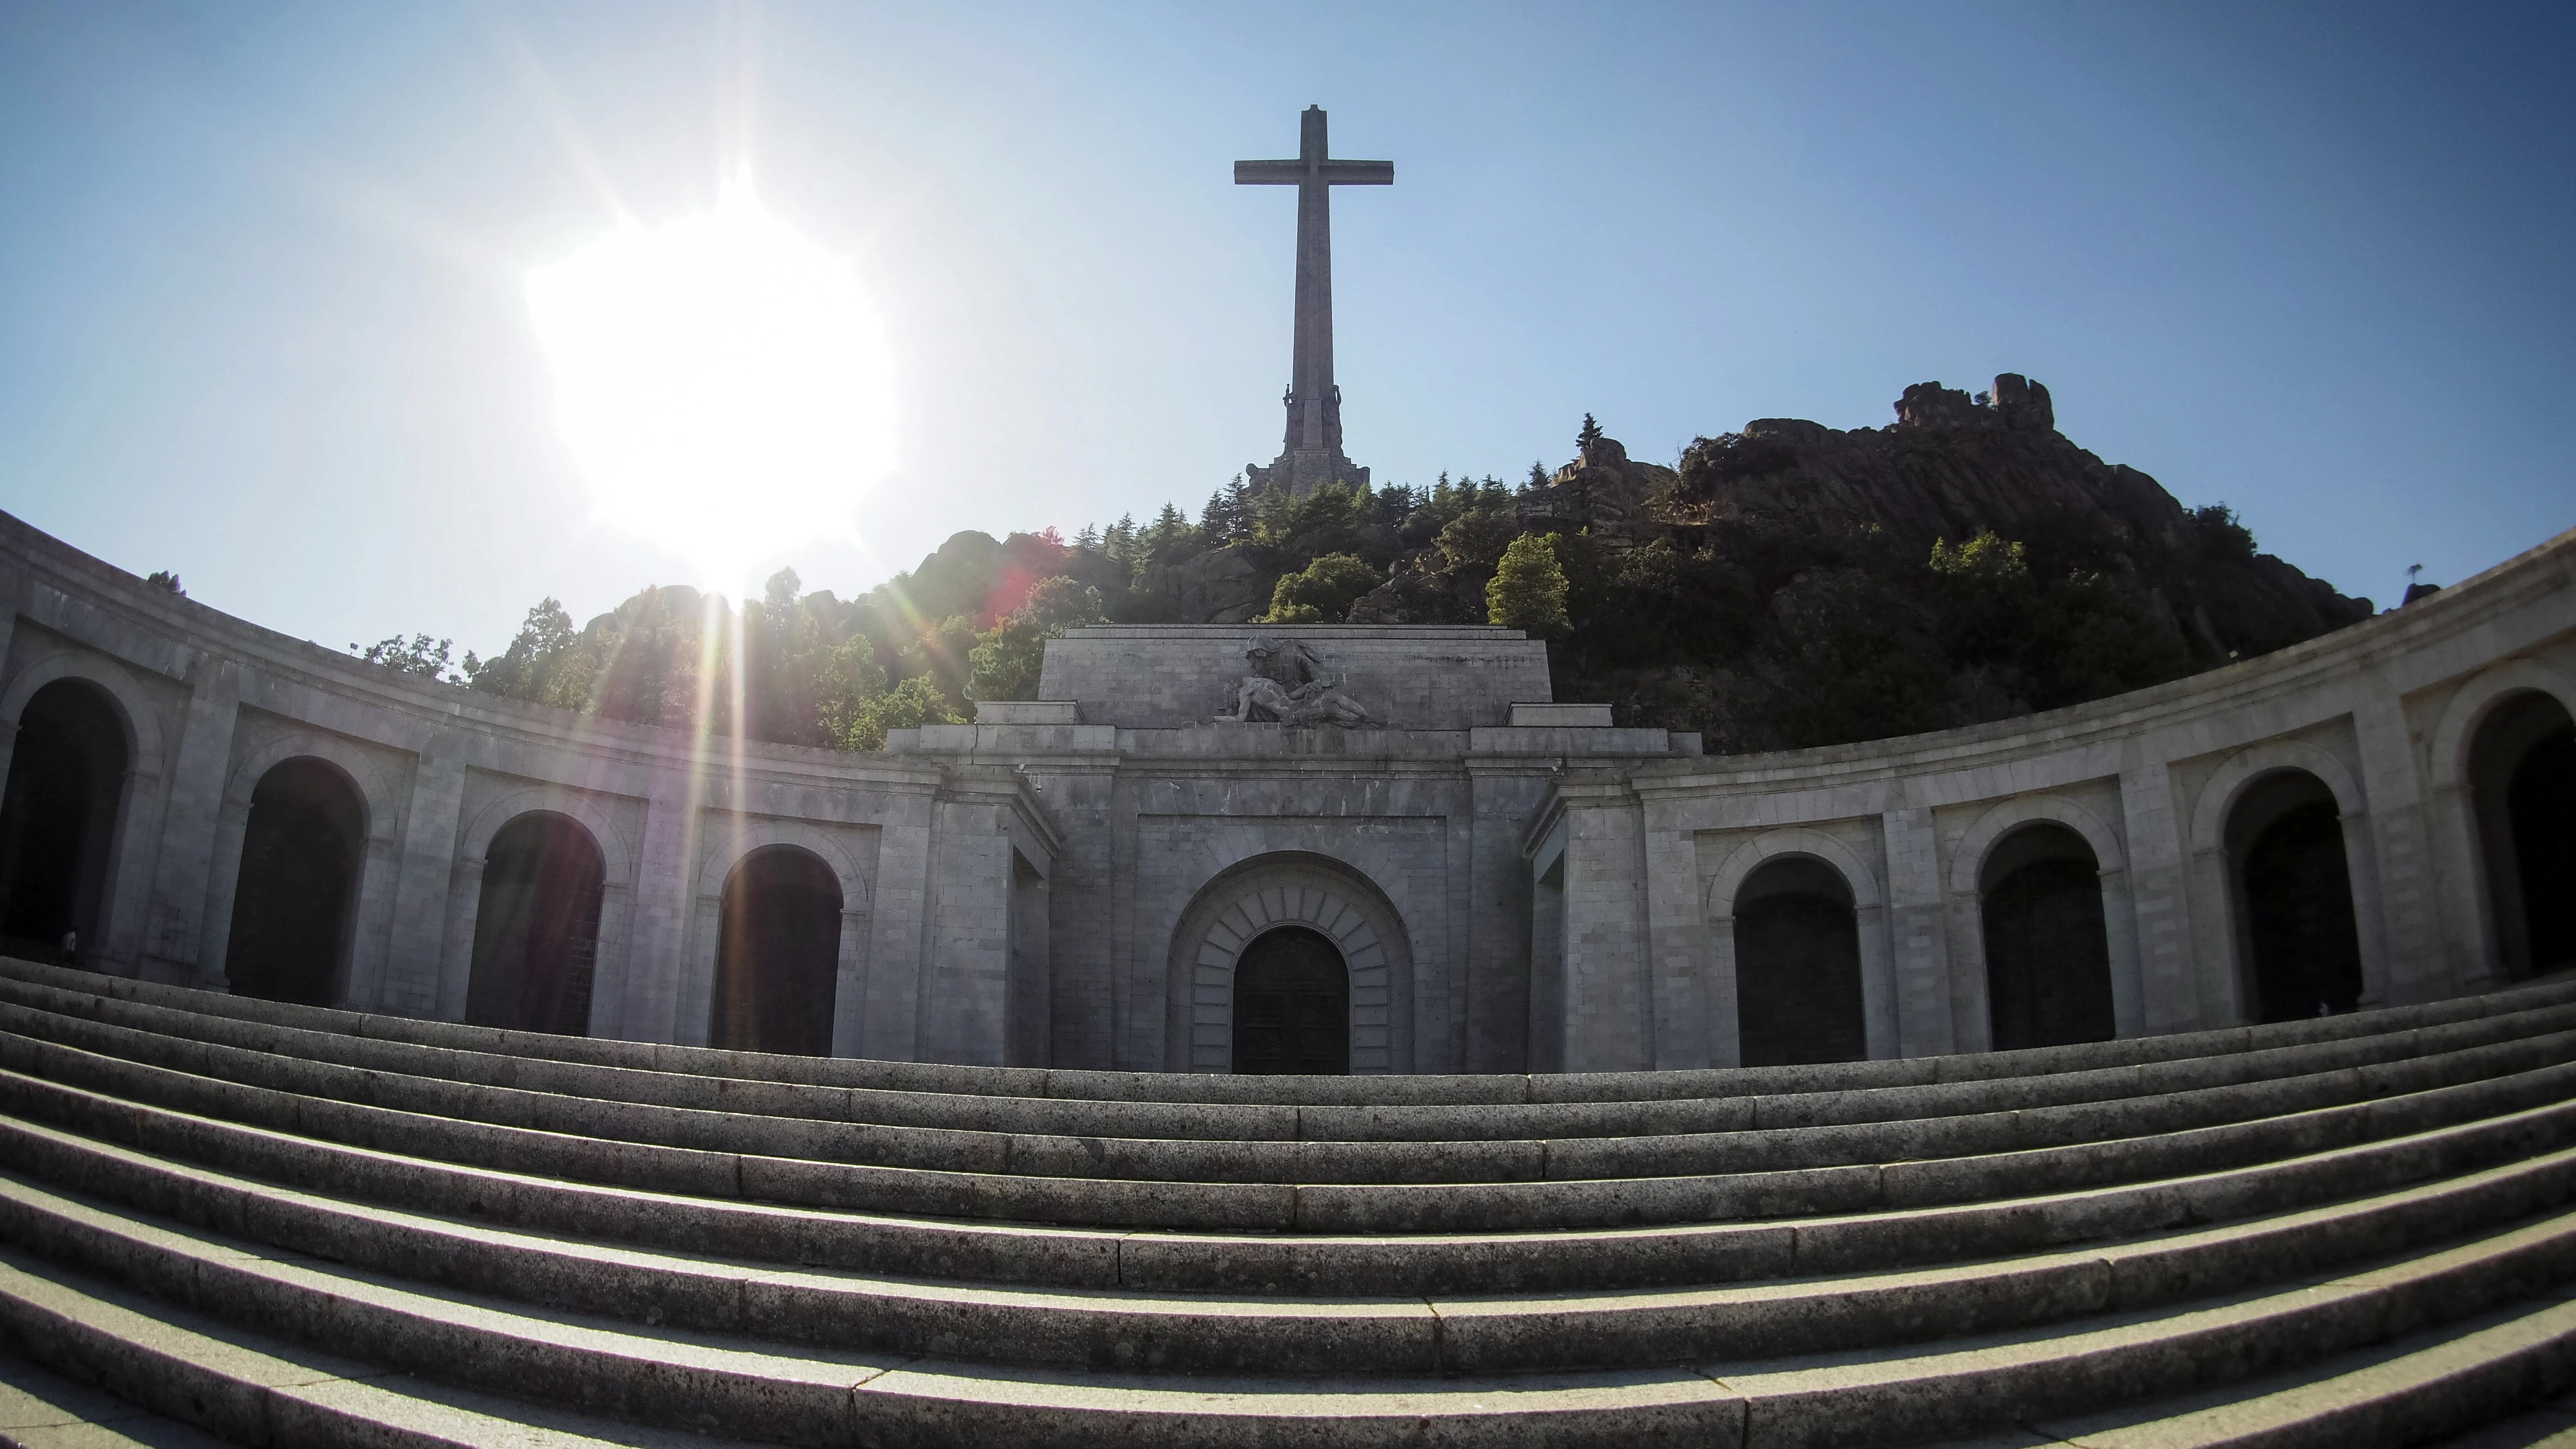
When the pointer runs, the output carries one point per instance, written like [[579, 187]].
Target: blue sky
[[263, 313]]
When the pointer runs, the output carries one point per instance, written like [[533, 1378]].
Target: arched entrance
[[58, 820], [1797, 966], [299, 875], [2294, 893], [1250, 902], [536, 929], [2048, 952], [778, 954], [1292, 1006], [2522, 778]]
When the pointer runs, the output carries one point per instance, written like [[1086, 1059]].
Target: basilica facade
[[1314, 849]]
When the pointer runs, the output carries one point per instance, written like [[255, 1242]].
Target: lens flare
[[722, 382]]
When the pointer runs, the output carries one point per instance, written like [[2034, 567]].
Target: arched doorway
[[536, 930], [1292, 1006], [2294, 892], [778, 954], [299, 876], [2522, 780], [1258, 897], [58, 820], [2048, 952], [1797, 966]]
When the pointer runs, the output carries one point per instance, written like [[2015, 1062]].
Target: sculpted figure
[[1290, 685]]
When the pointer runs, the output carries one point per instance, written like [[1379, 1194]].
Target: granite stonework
[[1516, 884]]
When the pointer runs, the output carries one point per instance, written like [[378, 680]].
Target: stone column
[[693, 1020], [963, 1005], [888, 1026], [647, 985], [1677, 944], [1609, 999], [424, 868], [2168, 986], [608, 967], [2120, 928], [2369, 910], [363, 986], [1919, 946], [2401, 838], [200, 849], [223, 877], [456, 956]]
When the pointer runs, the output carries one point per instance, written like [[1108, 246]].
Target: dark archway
[[2048, 954], [778, 954], [2295, 890], [1797, 966], [536, 931], [299, 875], [58, 820], [2522, 785], [1292, 1006]]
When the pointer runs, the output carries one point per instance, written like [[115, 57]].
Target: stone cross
[[1312, 453]]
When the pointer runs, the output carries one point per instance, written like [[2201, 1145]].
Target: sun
[[722, 382]]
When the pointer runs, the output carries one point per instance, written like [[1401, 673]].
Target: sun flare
[[722, 382]]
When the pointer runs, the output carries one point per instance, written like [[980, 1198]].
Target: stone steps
[[1511, 1128], [763, 1389], [2362, 1230], [1369, 1186], [1109, 1328]]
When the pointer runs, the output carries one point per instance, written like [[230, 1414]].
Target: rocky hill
[[1786, 584]]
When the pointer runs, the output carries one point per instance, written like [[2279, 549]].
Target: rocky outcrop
[[1603, 490], [1222, 586], [1953, 465]]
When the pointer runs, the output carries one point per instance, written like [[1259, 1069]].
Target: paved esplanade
[[1312, 452]]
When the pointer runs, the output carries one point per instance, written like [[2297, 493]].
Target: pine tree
[[1528, 588], [1590, 435]]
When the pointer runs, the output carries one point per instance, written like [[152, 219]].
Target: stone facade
[[1515, 884]]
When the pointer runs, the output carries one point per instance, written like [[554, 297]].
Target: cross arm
[[1332, 173]]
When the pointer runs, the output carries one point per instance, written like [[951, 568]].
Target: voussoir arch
[[2477, 699], [1773, 844], [1968, 862], [1264, 893], [2227, 784], [133, 706], [376, 803], [581, 809], [728, 850]]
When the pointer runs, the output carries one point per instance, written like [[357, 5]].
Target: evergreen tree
[[1590, 435], [1528, 588]]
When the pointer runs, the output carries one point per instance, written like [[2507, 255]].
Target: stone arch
[[2448, 752], [2227, 784], [375, 794], [726, 849], [63, 862], [1255, 896], [135, 707], [372, 891], [465, 896], [2119, 918], [1968, 861], [1869, 914], [134, 834], [2475, 940], [533, 966], [2226, 963], [1752, 854], [780, 931]]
